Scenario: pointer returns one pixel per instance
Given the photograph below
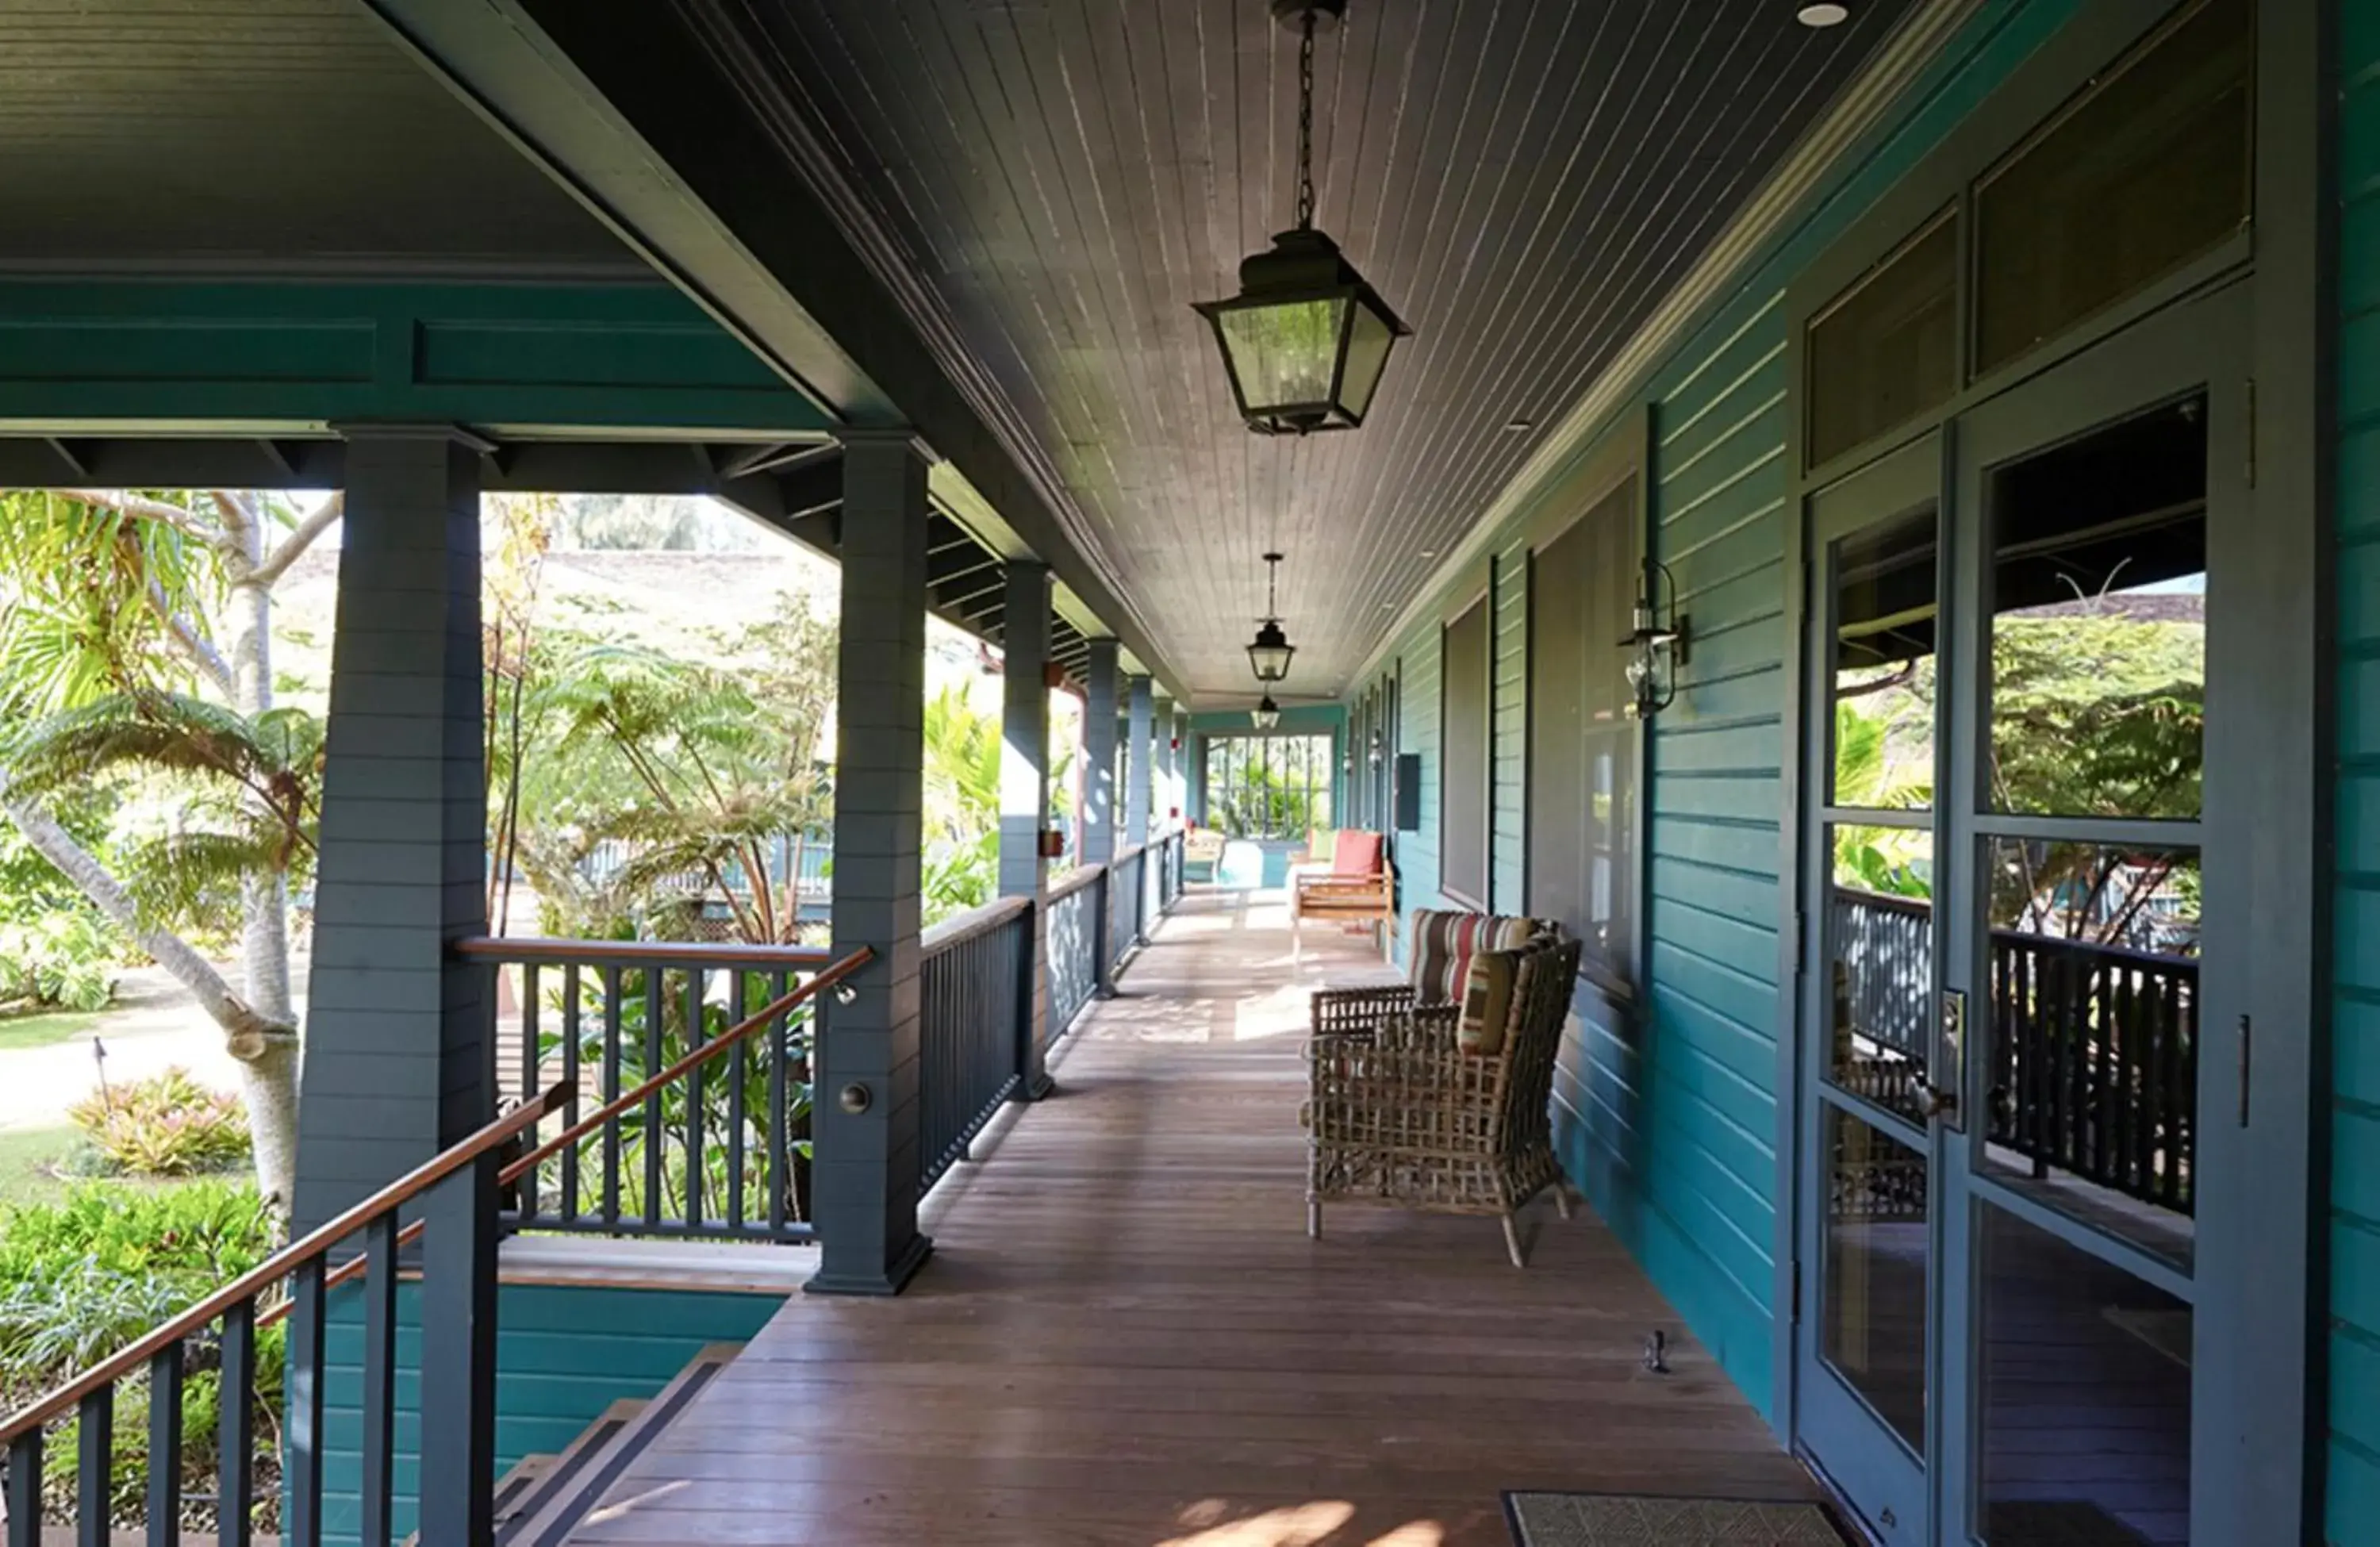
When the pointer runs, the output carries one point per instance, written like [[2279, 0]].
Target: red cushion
[[1356, 852]]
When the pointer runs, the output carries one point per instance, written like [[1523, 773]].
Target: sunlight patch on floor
[[1290, 1526]]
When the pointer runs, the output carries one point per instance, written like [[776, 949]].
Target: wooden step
[[563, 1506], [556, 1476]]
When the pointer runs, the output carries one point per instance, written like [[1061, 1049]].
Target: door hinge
[[2247, 1059], [1795, 1314], [2251, 431]]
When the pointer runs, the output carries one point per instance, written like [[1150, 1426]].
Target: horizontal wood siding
[[2354, 1378], [563, 1354], [1668, 1111], [1509, 734]]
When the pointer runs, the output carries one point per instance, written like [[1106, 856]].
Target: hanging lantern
[[1307, 338], [1267, 713], [1269, 652]]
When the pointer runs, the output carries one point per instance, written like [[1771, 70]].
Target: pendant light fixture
[[1269, 652], [1307, 338], [1267, 713]]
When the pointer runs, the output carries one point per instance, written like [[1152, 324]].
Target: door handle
[[1938, 1103]]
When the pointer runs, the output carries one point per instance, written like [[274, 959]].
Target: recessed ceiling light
[[1429, 552], [1823, 13], [1516, 426]]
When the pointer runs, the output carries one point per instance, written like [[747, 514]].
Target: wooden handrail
[[278, 1266], [1075, 881], [643, 953], [967, 926], [515, 1170]]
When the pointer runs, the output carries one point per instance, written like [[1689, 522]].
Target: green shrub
[[168, 1125], [64, 957]]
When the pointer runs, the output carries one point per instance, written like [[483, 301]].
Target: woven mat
[[1649, 1520]]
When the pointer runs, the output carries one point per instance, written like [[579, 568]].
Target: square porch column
[[1099, 791], [1024, 804], [1167, 797], [1138, 765], [400, 1037], [865, 1177]]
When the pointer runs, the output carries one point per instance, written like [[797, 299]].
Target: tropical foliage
[[166, 1125], [135, 644]]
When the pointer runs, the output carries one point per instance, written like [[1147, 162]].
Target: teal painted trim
[[1670, 1128], [563, 1354], [1312, 719], [2352, 1487], [128, 355]]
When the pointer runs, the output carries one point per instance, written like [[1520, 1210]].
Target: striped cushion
[[1443, 944]]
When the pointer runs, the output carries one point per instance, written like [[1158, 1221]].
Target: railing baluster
[[698, 1164], [236, 1429], [573, 1079], [166, 1447], [302, 1426], [24, 1492], [458, 1356], [780, 1052], [379, 1380], [95, 1468], [738, 1072], [530, 1188], [613, 982], [656, 1139]]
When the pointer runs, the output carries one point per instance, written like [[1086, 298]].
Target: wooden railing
[[456, 1229], [723, 1154], [454, 1195], [1076, 906], [2092, 1049], [971, 1026]]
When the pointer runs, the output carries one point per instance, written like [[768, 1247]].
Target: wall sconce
[[1656, 645], [1375, 756]]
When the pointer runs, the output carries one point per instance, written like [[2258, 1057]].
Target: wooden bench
[[1359, 885]]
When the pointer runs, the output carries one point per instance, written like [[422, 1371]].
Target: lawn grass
[[44, 1029], [27, 1157]]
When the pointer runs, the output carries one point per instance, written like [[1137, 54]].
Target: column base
[[1034, 1089], [894, 1278]]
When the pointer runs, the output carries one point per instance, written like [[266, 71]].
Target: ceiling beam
[[695, 169]]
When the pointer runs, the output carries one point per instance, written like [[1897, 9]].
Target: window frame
[[1622, 456], [1474, 599]]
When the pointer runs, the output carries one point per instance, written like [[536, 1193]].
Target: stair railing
[[453, 1198]]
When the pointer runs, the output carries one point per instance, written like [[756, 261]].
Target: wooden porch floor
[[1124, 1336]]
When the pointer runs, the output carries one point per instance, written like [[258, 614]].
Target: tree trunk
[[265, 1046]]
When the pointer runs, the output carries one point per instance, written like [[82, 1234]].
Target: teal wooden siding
[[563, 1354], [123, 355], [1668, 1118], [1507, 791], [2353, 1512]]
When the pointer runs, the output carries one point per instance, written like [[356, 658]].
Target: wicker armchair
[[1400, 1114]]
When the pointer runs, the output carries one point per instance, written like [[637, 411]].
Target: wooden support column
[[1098, 789], [1138, 765], [1024, 804], [1166, 799], [865, 1174], [400, 1038]]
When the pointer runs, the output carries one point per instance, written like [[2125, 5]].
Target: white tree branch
[[302, 537], [184, 520], [239, 514], [193, 641]]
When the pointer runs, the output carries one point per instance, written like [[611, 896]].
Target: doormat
[[1651, 1520]]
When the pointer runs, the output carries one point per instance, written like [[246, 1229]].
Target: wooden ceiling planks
[[1521, 179]]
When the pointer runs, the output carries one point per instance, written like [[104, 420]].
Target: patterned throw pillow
[[1487, 1002], [1443, 944]]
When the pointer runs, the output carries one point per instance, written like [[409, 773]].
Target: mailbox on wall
[[1408, 792]]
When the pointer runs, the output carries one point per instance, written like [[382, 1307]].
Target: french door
[[2015, 996]]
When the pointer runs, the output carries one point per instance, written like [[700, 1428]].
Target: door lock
[[1938, 1103]]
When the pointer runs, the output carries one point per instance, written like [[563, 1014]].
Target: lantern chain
[[1306, 124]]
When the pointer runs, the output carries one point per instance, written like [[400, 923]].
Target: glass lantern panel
[[1284, 353], [1368, 337]]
